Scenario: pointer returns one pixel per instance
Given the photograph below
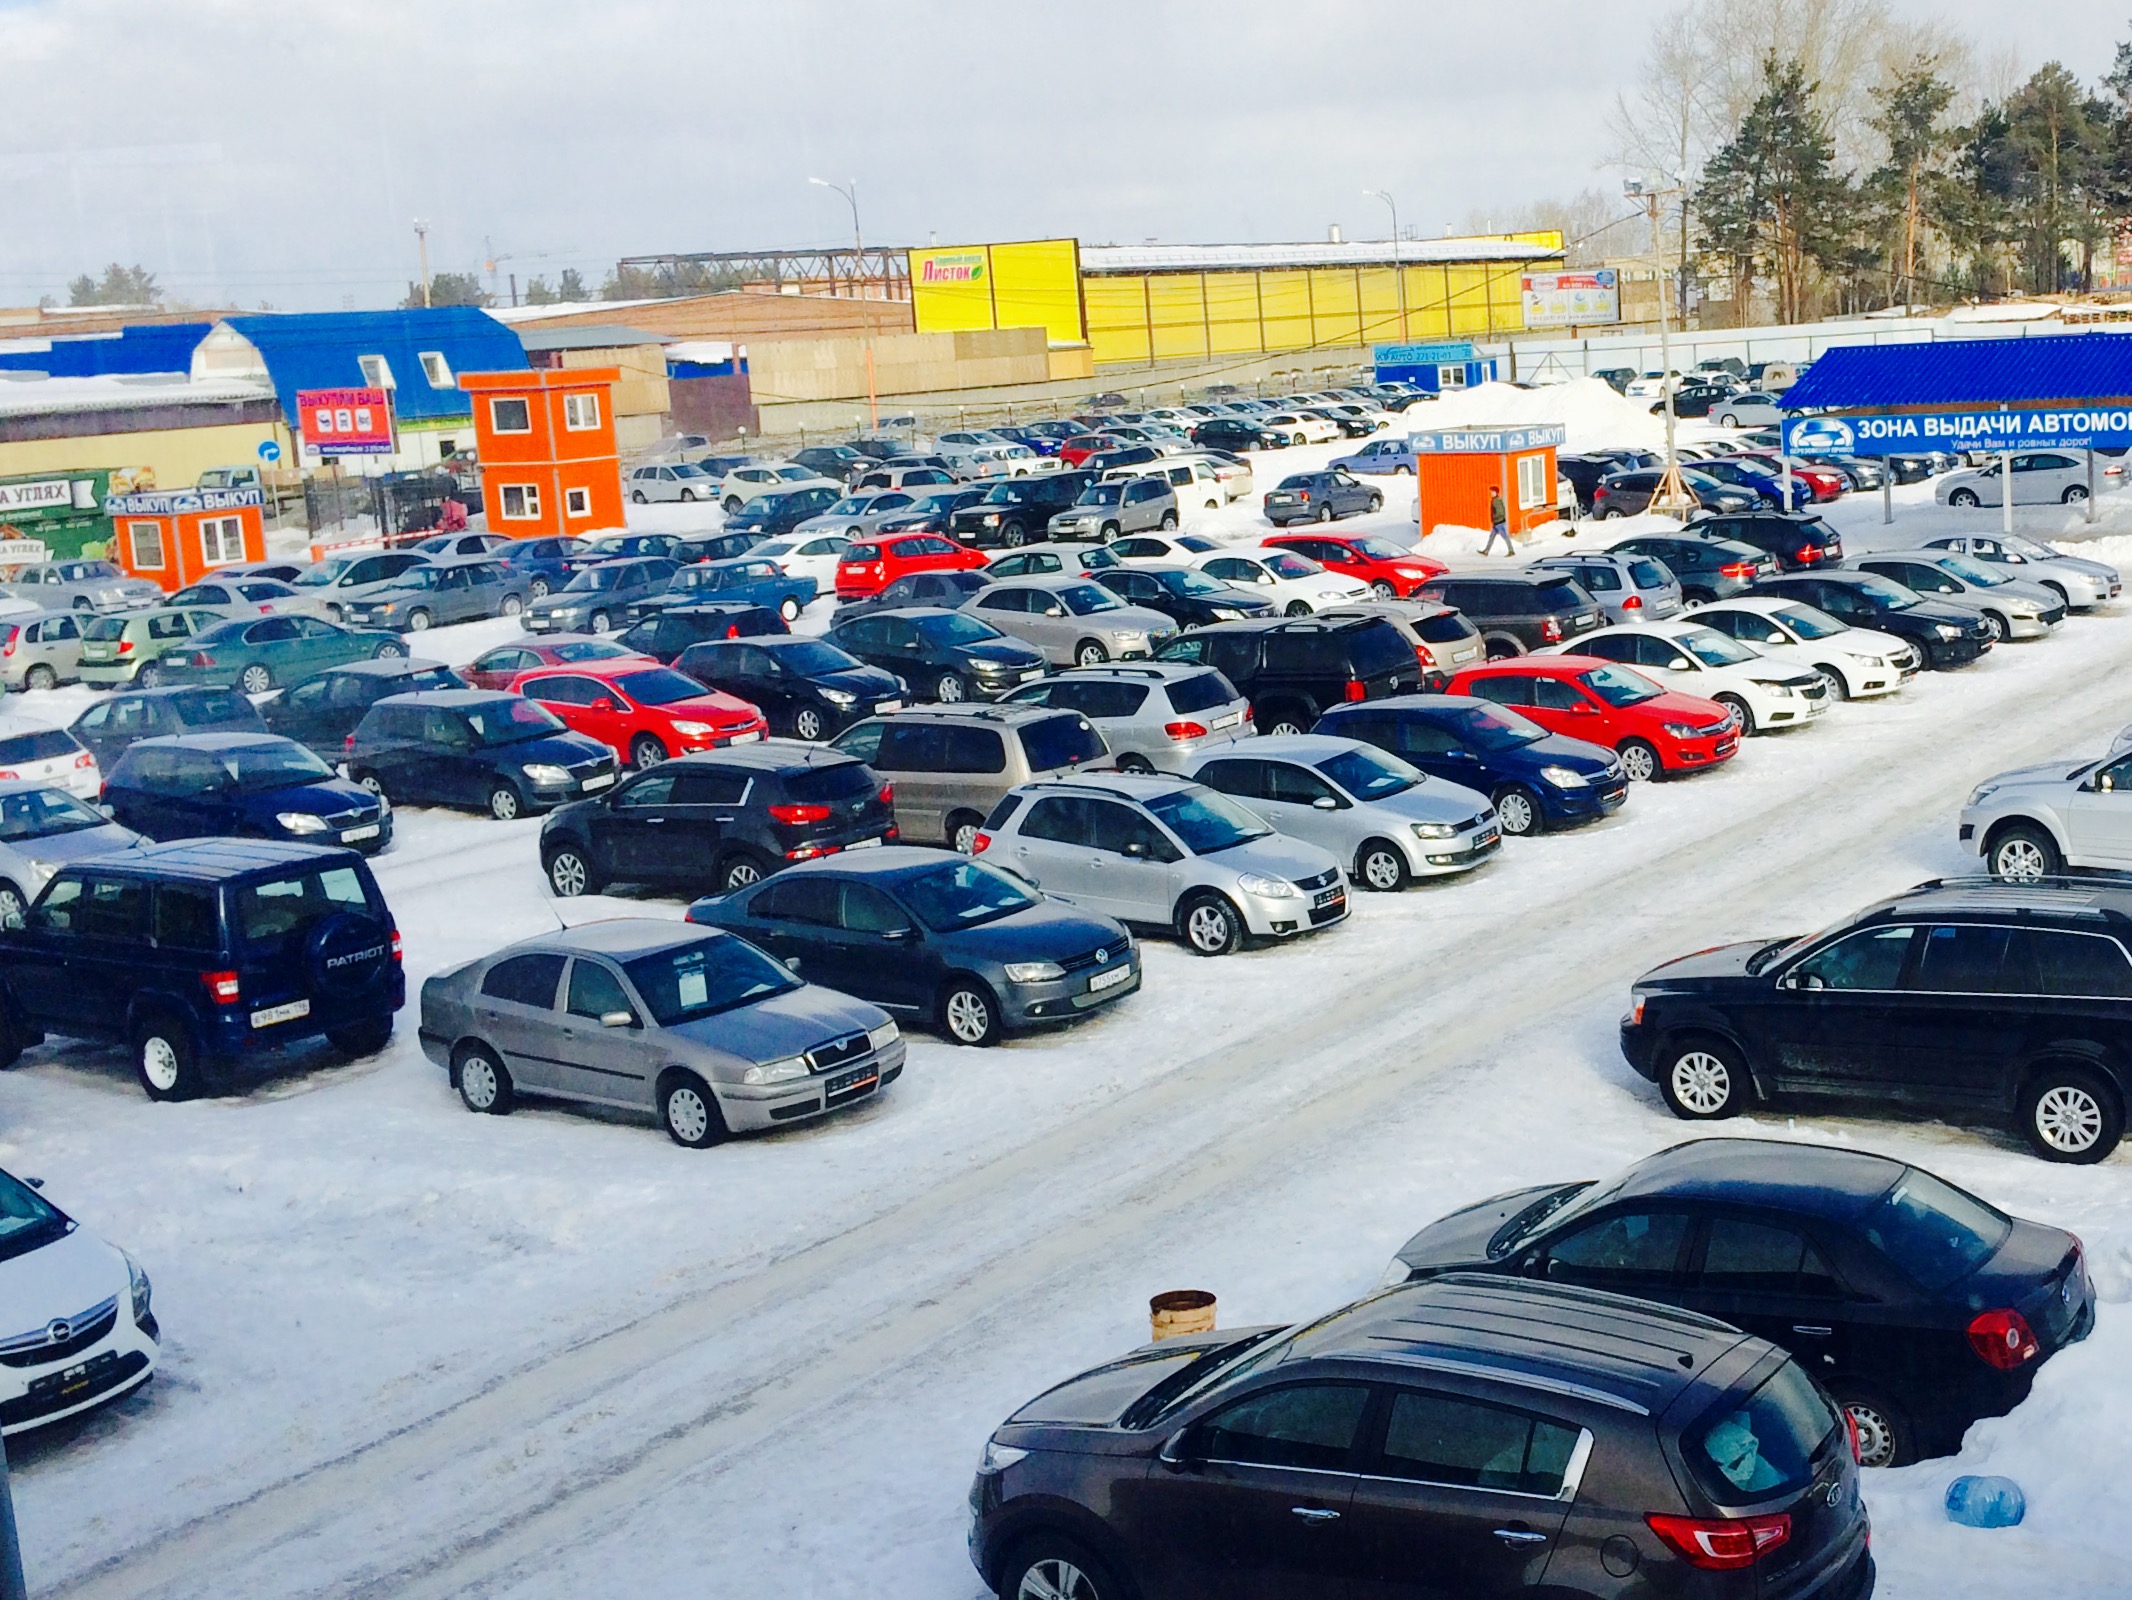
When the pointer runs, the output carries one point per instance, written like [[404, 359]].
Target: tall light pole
[[422, 244], [858, 269], [1399, 270], [1672, 494]]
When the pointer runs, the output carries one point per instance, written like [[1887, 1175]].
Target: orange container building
[[545, 438], [1456, 468], [179, 537]]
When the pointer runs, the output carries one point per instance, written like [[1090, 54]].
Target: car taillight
[[221, 987], [202, 658], [347, 741], [396, 944], [1550, 629], [981, 843], [1739, 569], [2003, 1339], [801, 811], [8, 773], [125, 647], [888, 794], [1721, 1545], [8, 649], [1850, 1427], [1303, 495], [1184, 730], [1423, 655], [84, 761], [1809, 552]]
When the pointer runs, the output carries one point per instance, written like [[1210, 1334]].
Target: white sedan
[[1295, 425], [1296, 584], [1859, 662], [1761, 692], [743, 484], [805, 556], [75, 1328]]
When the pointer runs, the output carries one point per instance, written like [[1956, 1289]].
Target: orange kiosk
[[1456, 468], [545, 438], [180, 536]]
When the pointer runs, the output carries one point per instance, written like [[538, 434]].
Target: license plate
[[1229, 721], [288, 1013], [1033, 672], [862, 844], [96, 652], [1109, 980], [745, 738], [600, 781], [888, 705], [1485, 838], [1327, 897], [369, 830]]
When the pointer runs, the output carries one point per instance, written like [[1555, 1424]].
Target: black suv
[[1294, 669], [717, 821], [1234, 433], [475, 747], [1798, 540], [1019, 511], [1519, 611], [1708, 567], [1585, 471], [324, 711], [805, 688], [1184, 594], [943, 655], [665, 634], [1896, 1286], [202, 954], [1944, 634], [1468, 1436], [2010, 1002], [132, 715]]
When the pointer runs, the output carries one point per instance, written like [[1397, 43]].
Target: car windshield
[[965, 894], [2014, 544], [705, 977], [1492, 728], [812, 658], [27, 1219], [324, 573], [1005, 494], [282, 764], [41, 813], [1620, 686], [1808, 623], [1761, 1445], [1195, 1377], [1381, 549], [105, 629], [1521, 1229], [1892, 595], [1713, 649], [592, 578], [1975, 572], [1205, 820], [1189, 581], [1369, 774], [657, 686], [953, 628], [852, 505], [587, 650], [1085, 600], [1933, 1231], [1287, 564], [512, 721], [1101, 494]]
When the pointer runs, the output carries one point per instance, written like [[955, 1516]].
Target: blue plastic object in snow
[[1985, 1502]]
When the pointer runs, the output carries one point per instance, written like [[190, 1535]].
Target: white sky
[[277, 150]]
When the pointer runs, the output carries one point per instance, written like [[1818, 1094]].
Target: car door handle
[[1314, 1514], [654, 821], [1520, 1536], [1812, 1331]]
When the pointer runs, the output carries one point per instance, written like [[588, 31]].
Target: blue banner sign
[[2072, 427], [1452, 353], [1487, 441], [172, 502]]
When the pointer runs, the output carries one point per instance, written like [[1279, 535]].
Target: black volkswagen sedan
[[1946, 634], [805, 688], [1184, 594], [1920, 1306], [943, 655]]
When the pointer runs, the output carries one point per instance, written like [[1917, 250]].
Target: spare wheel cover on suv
[[347, 953]]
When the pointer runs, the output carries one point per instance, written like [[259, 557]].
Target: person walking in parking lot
[[1498, 525]]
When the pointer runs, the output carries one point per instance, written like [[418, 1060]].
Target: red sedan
[[1395, 573], [642, 711], [1077, 450], [1653, 730], [870, 565], [1825, 483], [498, 668]]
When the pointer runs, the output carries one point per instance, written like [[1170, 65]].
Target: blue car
[[1757, 480], [1320, 497], [545, 564], [242, 785], [1538, 780], [205, 954], [747, 580], [1379, 458]]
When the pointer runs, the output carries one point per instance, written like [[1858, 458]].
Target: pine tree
[[2058, 135], [571, 286], [1908, 189]]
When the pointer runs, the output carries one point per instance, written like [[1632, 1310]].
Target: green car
[[128, 649], [266, 652]]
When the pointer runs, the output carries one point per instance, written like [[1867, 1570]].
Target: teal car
[[266, 652]]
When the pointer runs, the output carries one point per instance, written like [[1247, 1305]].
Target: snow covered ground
[[412, 1352]]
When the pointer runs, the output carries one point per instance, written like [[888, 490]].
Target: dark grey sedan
[[696, 1025]]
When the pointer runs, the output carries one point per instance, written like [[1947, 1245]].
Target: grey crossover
[[1074, 621], [1152, 714], [698, 1026], [1106, 510], [950, 764]]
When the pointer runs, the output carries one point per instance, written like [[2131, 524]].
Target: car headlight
[[300, 822], [1781, 690], [998, 1457], [137, 1281], [1434, 830], [1226, 613], [1266, 888], [1033, 971], [540, 773], [837, 697], [1683, 730], [1946, 630], [780, 1071], [882, 1037], [693, 730], [380, 605], [1563, 777]]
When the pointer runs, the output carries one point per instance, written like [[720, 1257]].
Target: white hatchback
[[811, 556], [1859, 662], [38, 753], [1296, 584]]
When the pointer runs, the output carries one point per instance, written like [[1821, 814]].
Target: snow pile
[[1597, 417]]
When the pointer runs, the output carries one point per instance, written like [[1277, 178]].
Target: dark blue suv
[[1538, 780], [204, 955], [239, 785]]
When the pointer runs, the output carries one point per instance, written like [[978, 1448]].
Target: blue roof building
[[1967, 372], [129, 352]]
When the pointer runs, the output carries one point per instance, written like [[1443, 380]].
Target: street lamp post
[[1399, 271], [1672, 494], [858, 269]]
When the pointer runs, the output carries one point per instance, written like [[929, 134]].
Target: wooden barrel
[[1178, 1312]]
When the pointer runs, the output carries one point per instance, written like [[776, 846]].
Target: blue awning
[[1959, 373]]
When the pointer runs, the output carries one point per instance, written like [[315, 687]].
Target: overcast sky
[[277, 151]]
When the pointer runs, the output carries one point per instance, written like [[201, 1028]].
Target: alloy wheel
[[1055, 1579], [969, 1018], [1640, 762], [1701, 1082], [2019, 860], [1208, 928], [740, 873], [2068, 1118], [1382, 869], [566, 871]]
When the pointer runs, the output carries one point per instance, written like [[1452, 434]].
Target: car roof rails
[[2065, 894]]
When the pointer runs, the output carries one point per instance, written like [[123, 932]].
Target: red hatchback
[[642, 711], [870, 565], [1077, 450], [498, 668], [1395, 573], [1654, 730]]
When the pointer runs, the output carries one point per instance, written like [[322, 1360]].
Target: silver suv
[[949, 765], [1073, 620], [2035, 821], [1390, 820], [1161, 714], [1164, 852], [1106, 510]]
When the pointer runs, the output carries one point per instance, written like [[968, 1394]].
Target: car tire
[[1402, 471], [962, 829], [165, 1060], [1728, 420], [1013, 536], [390, 650], [1325, 514], [1966, 498], [601, 622], [149, 677], [1517, 811], [741, 869], [1501, 647], [40, 677], [511, 606], [1169, 521], [1281, 718], [1997, 623], [688, 497], [364, 1038], [789, 608], [638, 496], [505, 803], [1051, 1567], [969, 1013], [12, 904], [950, 690], [1132, 761], [255, 679], [1382, 589], [2071, 1114], [1209, 925], [1089, 653], [1380, 866], [2022, 853], [646, 752], [1107, 533], [1702, 1079], [1297, 608], [418, 621], [1884, 1433], [1376, 503], [1838, 687], [733, 503], [689, 1112], [807, 723], [538, 589], [1739, 708], [1639, 759], [2074, 495], [336, 612], [570, 872]]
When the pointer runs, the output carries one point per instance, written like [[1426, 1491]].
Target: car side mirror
[[34, 1183], [601, 704], [1177, 1452], [1325, 802], [2104, 783], [618, 1019], [903, 935], [1137, 849]]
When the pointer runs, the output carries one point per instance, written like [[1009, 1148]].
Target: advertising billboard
[[1035, 283], [1570, 299], [2097, 427], [346, 422]]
